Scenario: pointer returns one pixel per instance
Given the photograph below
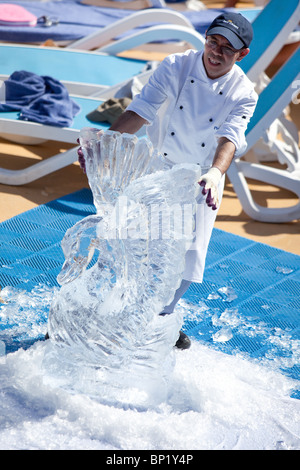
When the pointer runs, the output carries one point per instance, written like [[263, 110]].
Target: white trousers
[[195, 257], [204, 222]]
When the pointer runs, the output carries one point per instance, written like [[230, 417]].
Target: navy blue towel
[[39, 99]]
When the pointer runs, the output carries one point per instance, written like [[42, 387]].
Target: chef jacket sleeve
[[155, 92], [234, 127]]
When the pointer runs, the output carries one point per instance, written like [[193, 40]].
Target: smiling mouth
[[214, 62]]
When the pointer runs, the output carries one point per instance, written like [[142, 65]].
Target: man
[[196, 107]]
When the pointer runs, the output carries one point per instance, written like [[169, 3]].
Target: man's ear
[[243, 54]]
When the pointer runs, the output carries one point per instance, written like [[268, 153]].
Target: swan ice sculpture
[[107, 317]]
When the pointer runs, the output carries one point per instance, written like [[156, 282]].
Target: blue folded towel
[[39, 99]]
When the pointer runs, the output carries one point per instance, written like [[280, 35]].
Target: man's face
[[219, 56]]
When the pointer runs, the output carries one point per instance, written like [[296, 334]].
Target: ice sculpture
[[106, 318]]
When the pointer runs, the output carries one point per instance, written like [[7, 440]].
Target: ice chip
[[228, 294], [223, 335], [213, 296], [283, 270]]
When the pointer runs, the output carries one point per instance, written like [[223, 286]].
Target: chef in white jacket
[[196, 107]]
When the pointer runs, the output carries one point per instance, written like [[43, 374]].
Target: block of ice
[[113, 160], [107, 317]]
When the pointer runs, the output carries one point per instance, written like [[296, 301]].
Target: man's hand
[[81, 159], [80, 154], [210, 182]]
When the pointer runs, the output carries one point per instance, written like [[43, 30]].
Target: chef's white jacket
[[187, 112]]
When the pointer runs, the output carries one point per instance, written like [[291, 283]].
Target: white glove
[[210, 182]]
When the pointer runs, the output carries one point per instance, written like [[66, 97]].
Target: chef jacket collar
[[216, 84]]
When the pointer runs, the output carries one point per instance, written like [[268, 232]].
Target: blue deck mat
[[248, 304]]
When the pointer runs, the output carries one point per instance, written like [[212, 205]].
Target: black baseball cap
[[234, 27]]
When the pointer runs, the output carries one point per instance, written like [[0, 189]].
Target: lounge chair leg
[[38, 170]]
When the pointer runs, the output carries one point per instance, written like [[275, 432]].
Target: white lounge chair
[[90, 73], [83, 73], [9, 124], [66, 22], [272, 100], [272, 29], [275, 26], [156, 34], [129, 23]]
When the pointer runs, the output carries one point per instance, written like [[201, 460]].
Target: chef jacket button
[[165, 154], [221, 93], [192, 81], [211, 120], [203, 144], [180, 107], [172, 133], [243, 117]]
